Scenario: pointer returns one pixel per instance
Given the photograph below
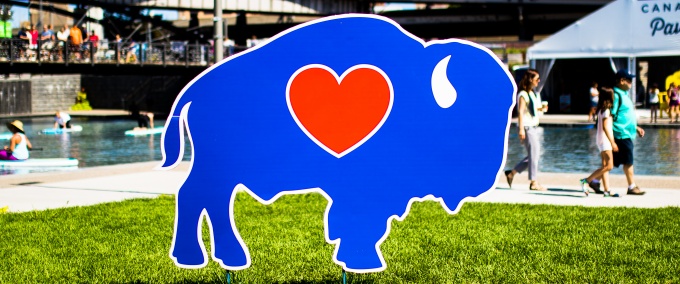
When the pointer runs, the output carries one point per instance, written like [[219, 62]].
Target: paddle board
[[38, 163], [6, 135], [144, 131], [74, 128]]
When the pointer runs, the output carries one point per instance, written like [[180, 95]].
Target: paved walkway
[[90, 186]]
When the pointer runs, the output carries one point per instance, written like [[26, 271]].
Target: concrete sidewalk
[[40, 191]]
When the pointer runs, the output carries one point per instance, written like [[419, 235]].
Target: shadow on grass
[[239, 281], [329, 281]]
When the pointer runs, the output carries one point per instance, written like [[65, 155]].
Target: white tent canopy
[[623, 28], [621, 31]]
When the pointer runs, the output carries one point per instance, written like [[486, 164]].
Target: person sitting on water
[[144, 120], [62, 119], [19, 143]]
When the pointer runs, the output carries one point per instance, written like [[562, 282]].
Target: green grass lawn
[[128, 242]]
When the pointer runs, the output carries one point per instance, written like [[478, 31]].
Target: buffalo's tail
[[172, 141]]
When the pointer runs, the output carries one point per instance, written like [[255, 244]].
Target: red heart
[[339, 114]]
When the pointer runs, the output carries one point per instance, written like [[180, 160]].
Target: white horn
[[444, 93]]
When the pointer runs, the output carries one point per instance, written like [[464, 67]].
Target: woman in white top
[[653, 102], [19, 143], [605, 142], [529, 107], [62, 39]]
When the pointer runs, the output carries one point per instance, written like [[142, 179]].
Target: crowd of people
[[616, 129], [53, 45], [75, 44]]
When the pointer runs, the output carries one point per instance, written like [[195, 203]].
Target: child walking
[[605, 142]]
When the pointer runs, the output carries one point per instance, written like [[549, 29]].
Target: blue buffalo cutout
[[437, 132]]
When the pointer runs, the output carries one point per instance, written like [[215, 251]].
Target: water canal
[[564, 149], [101, 142]]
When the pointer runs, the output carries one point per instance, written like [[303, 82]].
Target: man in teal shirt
[[625, 128]]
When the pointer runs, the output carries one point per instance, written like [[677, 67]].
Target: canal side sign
[[351, 107]]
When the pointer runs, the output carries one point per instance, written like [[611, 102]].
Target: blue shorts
[[625, 154]]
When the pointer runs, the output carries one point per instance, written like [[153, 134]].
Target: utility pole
[[219, 33]]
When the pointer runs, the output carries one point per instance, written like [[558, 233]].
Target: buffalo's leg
[[228, 250], [359, 232], [186, 247]]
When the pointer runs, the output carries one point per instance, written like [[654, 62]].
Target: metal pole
[[39, 52], [219, 33], [11, 51], [91, 52], [632, 69], [139, 54], [66, 53], [117, 53], [40, 22], [226, 36]]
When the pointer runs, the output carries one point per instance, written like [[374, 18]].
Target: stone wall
[[151, 93], [15, 96], [25, 94], [53, 92]]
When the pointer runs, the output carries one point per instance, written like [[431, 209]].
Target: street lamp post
[[219, 40]]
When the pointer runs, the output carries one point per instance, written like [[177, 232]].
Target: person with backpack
[[625, 129], [605, 142]]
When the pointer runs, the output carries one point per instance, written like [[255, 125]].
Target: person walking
[[605, 143], [625, 128], [529, 107], [653, 103]]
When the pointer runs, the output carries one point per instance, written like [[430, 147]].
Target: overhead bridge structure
[[287, 7], [433, 18], [307, 7]]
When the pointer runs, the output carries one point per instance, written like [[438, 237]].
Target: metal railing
[[105, 52]]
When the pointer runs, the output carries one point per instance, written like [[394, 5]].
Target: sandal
[[584, 184], [509, 178], [536, 186], [635, 191]]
